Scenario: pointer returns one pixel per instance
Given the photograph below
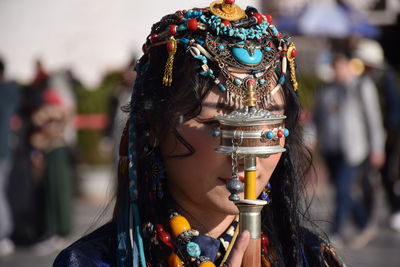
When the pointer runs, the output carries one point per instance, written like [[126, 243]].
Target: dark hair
[[159, 109], [2, 67]]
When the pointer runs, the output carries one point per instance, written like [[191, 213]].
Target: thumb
[[236, 256]]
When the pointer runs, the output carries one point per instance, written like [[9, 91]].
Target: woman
[[198, 64]]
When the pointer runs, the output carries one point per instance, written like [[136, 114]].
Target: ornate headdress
[[240, 50], [240, 45]]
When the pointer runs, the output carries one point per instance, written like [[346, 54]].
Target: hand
[[377, 159], [236, 256]]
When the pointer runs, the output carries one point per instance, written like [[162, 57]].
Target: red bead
[[159, 228], [227, 23], [251, 82], [229, 2], [259, 17], [279, 35], [170, 46], [269, 18], [153, 38], [264, 243], [294, 52], [172, 29], [192, 24], [279, 133], [165, 237]]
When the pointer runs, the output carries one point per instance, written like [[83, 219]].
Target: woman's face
[[199, 181]]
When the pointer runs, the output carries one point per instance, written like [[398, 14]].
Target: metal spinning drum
[[249, 133]]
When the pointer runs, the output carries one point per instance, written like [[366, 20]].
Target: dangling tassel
[[291, 54], [171, 48]]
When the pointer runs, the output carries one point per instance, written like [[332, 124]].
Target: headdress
[[238, 44], [239, 50]]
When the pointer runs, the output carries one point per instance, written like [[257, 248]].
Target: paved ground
[[384, 250]]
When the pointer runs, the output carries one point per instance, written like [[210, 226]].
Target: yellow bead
[[174, 261], [207, 264], [179, 224]]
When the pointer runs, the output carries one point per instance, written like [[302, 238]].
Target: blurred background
[[67, 69]]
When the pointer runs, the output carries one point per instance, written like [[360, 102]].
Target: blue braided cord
[[133, 192], [139, 239], [135, 255], [122, 236], [304, 257]]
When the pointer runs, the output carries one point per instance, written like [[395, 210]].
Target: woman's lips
[[226, 180]]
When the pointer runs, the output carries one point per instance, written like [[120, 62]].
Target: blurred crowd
[[356, 116], [38, 144]]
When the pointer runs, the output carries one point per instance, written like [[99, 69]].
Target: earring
[[265, 195]]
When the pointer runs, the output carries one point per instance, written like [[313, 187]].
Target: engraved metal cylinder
[[250, 218]]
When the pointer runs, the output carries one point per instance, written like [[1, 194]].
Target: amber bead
[[179, 224], [207, 264], [174, 261]]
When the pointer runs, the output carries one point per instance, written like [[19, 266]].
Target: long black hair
[[159, 109]]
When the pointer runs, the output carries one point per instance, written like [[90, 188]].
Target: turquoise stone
[[243, 56], [193, 249], [286, 132], [238, 82], [221, 87], [269, 134], [261, 81], [221, 47]]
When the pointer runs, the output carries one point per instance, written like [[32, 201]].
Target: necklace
[[184, 249]]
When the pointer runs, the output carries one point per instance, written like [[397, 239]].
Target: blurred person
[[25, 184], [371, 54], [9, 98], [173, 202], [117, 115], [349, 127], [63, 82], [56, 171]]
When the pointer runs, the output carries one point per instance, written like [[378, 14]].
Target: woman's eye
[[210, 122]]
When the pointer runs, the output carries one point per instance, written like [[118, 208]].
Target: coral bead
[[259, 17], [192, 24], [251, 82], [170, 46], [294, 53], [172, 29], [207, 264], [174, 261], [165, 237], [229, 2], [264, 242], [153, 38], [269, 18], [178, 225], [279, 133], [227, 23]]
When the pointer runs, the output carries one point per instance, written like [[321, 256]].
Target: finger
[[236, 256]]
